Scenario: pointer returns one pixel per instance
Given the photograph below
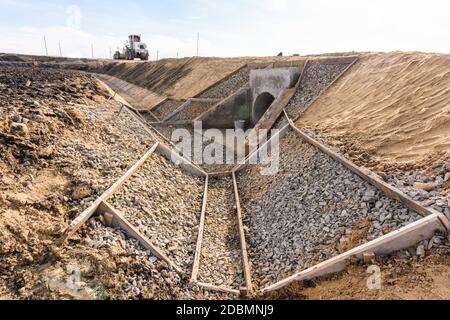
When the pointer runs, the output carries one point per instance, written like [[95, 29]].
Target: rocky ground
[[427, 183], [166, 108], [316, 78], [221, 258], [209, 146], [229, 86], [164, 204], [313, 209], [63, 143], [193, 110]]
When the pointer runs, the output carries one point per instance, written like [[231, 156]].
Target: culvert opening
[[262, 103]]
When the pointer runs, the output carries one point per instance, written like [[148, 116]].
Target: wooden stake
[[198, 248], [245, 262]]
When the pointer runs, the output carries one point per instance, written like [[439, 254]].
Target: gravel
[[313, 209], [141, 275], [221, 259], [229, 86], [164, 204], [316, 78], [433, 178], [166, 108], [193, 110], [208, 141]]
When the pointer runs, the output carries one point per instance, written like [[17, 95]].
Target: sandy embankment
[[390, 110]]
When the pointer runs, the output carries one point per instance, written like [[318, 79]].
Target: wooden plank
[[184, 163], [279, 105], [389, 190], [158, 104], [212, 287], [399, 239], [205, 100], [137, 116], [120, 221], [86, 214], [244, 251], [198, 248]]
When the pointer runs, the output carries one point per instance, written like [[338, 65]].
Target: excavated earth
[[64, 142]]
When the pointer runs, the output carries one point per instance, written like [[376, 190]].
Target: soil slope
[[394, 107]]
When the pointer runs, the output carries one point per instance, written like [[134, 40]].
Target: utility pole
[[110, 53], [60, 51], [92, 50], [157, 55], [177, 55], [45, 45], [198, 40]]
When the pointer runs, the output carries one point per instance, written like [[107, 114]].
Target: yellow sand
[[393, 108]]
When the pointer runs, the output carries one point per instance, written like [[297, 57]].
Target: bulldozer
[[133, 49]]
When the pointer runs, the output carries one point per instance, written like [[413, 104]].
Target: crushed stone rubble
[[229, 86], [313, 209], [164, 204], [316, 78], [221, 258], [430, 186]]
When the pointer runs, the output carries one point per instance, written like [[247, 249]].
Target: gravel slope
[[313, 209], [316, 78]]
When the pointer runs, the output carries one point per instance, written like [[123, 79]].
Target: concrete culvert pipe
[[262, 103]]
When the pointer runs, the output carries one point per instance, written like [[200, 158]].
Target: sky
[[226, 27]]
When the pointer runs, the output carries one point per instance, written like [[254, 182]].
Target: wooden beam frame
[[389, 190], [198, 248], [120, 221], [184, 163], [162, 149], [177, 110], [243, 241], [391, 242], [86, 214]]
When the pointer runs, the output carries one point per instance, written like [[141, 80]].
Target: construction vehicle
[[133, 49]]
